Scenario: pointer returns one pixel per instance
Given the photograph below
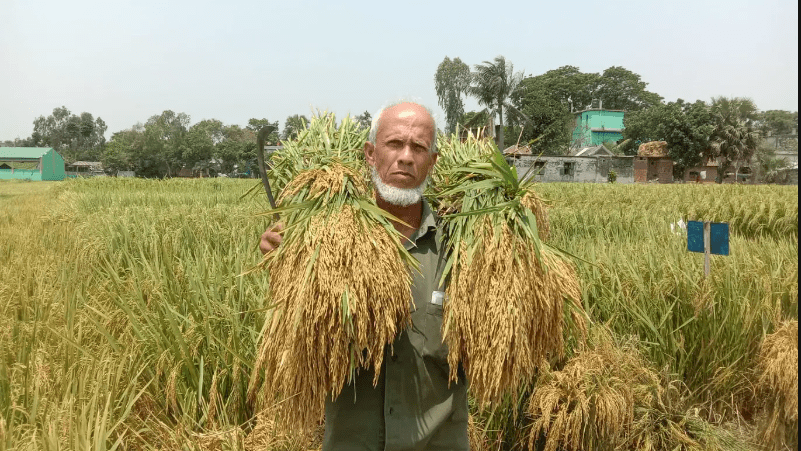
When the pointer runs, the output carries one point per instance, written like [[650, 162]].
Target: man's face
[[401, 154]]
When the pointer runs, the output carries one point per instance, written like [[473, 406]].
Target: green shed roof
[[23, 152]]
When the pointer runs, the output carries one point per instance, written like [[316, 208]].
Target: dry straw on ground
[[777, 385]]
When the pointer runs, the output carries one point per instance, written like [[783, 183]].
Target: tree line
[[535, 110], [163, 145], [538, 111]]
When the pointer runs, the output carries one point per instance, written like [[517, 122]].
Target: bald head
[[403, 110]]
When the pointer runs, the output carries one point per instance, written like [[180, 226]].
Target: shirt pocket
[[434, 348]]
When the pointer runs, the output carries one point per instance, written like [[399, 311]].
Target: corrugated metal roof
[[23, 152]]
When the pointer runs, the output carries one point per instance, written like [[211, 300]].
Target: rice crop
[[506, 296], [126, 321], [339, 283], [589, 404], [777, 384]]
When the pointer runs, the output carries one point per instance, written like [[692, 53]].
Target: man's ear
[[433, 163], [369, 153]]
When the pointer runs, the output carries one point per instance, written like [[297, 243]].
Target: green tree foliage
[[473, 119], [621, 89], [734, 136], [451, 80], [493, 85], [685, 126], [365, 120], [17, 142], [73, 137], [124, 150], [778, 122], [549, 123], [767, 164], [237, 150], [255, 125], [201, 140], [165, 143], [568, 85], [548, 101], [293, 125]]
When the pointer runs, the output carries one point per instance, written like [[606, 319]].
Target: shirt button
[[391, 410]]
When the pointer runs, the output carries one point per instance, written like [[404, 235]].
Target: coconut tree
[[734, 137], [493, 83]]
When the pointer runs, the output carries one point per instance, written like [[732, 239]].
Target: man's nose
[[405, 157]]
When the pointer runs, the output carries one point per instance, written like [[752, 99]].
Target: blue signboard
[[718, 234]]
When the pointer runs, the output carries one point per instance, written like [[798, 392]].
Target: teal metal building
[[596, 126], [31, 163]]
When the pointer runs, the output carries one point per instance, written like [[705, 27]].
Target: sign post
[[709, 238], [707, 245]]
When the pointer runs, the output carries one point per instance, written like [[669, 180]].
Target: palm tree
[[493, 84], [735, 137]]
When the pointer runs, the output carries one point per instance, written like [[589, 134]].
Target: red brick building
[[652, 163]]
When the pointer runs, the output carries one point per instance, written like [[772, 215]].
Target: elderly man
[[412, 407]]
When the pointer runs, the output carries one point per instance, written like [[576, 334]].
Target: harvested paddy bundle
[[507, 292], [777, 385], [339, 282], [609, 397], [590, 403]]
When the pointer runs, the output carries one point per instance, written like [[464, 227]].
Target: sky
[[125, 61]]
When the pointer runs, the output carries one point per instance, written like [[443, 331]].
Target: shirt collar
[[428, 222]]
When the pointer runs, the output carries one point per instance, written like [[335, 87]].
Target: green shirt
[[412, 407]]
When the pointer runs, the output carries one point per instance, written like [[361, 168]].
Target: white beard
[[401, 197]]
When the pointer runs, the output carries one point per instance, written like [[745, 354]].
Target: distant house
[[596, 151], [31, 163], [566, 168], [709, 171], [596, 126], [652, 163], [516, 151], [84, 169]]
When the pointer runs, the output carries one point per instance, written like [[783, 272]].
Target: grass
[[125, 323]]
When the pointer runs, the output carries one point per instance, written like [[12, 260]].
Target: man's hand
[[271, 238]]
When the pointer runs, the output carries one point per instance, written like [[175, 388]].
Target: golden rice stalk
[[504, 312], [338, 319], [590, 403], [340, 282], [508, 291], [536, 205], [777, 384]]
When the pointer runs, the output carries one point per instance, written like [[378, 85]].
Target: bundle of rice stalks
[[777, 386], [507, 291], [589, 404], [608, 397], [663, 421], [339, 282]]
